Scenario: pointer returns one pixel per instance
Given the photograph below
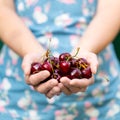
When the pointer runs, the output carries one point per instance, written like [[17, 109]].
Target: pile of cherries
[[64, 65]]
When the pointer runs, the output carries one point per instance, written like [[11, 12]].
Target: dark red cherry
[[75, 73], [54, 61], [65, 56], [86, 72], [47, 66], [82, 60], [73, 62], [64, 67], [81, 63], [35, 67]]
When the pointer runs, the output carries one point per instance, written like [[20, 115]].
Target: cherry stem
[[51, 64], [106, 78], [74, 55], [83, 65], [48, 54], [78, 49]]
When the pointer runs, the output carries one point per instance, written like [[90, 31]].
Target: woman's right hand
[[50, 87]]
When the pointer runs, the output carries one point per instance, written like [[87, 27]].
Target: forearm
[[15, 34], [102, 29]]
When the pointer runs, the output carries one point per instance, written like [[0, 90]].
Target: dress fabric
[[65, 22]]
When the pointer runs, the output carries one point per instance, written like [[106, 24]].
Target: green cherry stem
[[78, 49]]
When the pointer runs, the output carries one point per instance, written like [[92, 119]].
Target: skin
[[101, 31]]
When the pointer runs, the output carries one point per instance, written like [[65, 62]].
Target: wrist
[[35, 50]]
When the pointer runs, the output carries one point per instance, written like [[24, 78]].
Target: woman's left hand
[[69, 86]]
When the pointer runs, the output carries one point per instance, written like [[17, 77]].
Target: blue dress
[[65, 22]]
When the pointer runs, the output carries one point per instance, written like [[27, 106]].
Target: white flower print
[[14, 113], [113, 70], [39, 16], [64, 115], [30, 2], [94, 113], [2, 55], [2, 105], [33, 115], [52, 100], [25, 101], [4, 100], [9, 72], [68, 1], [74, 40], [56, 54], [63, 20], [21, 6], [13, 56], [27, 21], [43, 40], [5, 84], [114, 109], [118, 94], [54, 42]]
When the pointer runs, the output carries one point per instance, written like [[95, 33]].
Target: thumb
[[26, 66]]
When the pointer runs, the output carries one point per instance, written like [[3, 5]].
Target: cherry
[[65, 56], [35, 67], [73, 62], [75, 73], [86, 73], [81, 63], [53, 60], [82, 60], [47, 66], [64, 67]]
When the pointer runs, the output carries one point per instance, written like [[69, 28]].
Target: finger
[[47, 86], [28, 60], [35, 79], [74, 89], [26, 66], [81, 82], [54, 91], [83, 89], [65, 81], [64, 89], [77, 89], [93, 60], [27, 79]]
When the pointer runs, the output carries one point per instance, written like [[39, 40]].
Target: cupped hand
[[50, 87], [69, 86], [91, 58]]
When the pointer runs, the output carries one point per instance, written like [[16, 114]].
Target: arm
[[14, 33], [100, 32], [18, 37], [103, 28]]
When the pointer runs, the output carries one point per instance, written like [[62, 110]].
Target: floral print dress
[[65, 22]]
